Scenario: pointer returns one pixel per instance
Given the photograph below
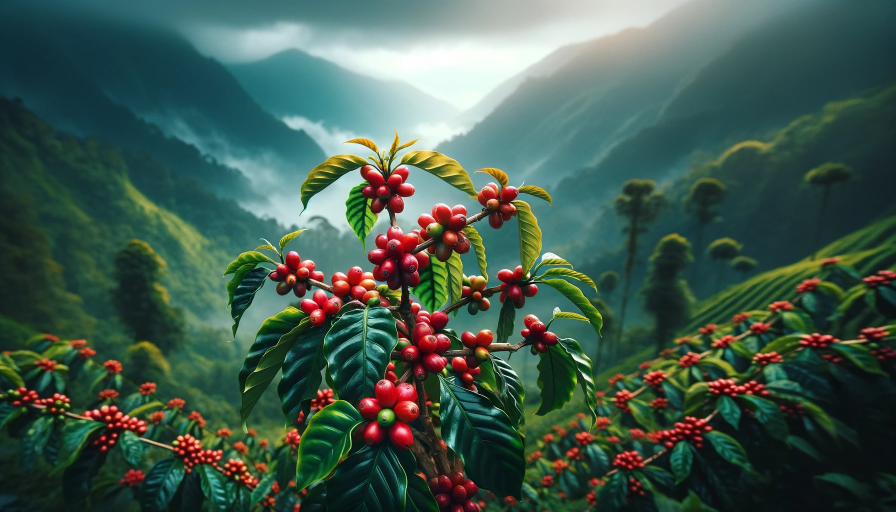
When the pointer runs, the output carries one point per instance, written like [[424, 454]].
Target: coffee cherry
[[369, 408], [459, 365], [481, 353], [445, 483], [459, 493], [386, 417], [508, 194], [407, 411], [484, 338], [386, 394], [374, 434], [468, 339], [400, 435], [283, 288]]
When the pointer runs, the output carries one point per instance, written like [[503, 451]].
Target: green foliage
[[146, 363], [723, 249], [608, 281], [744, 264], [828, 174], [371, 479], [703, 195], [666, 295], [326, 441]]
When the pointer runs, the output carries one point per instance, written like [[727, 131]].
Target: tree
[[666, 295], [705, 193], [606, 283], [722, 250], [825, 176], [640, 203], [744, 264], [141, 301], [608, 331]]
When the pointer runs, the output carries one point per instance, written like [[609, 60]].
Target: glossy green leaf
[[302, 372], [818, 414], [859, 356], [559, 315], [34, 440], [680, 461], [572, 274], [768, 414], [538, 192], [327, 439], [695, 394], [316, 500], [145, 408], [247, 258], [575, 295], [268, 336], [326, 173], [550, 258], [358, 214], [484, 438], [75, 436], [642, 413], [505, 322], [530, 235], [728, 448], [289, 238], [718, 363], [432, 292], [511, 390], [498, 174], [268, 367], [370, 480], [443, 167], [132, 448], [455, 268], [12, 376], [584, 371], [419, 497], [783, 345], [478, 248], [729, 410], [262, 488], [161, 484], [804, 446], [357, 349], [244, 293], [612, 495], [214, 486], [556, 379], [190, 494]]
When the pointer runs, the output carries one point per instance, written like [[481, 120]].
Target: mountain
[[294, 83], [157, 76], [767, 208]]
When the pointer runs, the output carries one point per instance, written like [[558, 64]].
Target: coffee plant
[[419, 417]]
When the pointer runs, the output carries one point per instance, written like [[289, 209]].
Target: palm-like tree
[[723, 250], [705, 193], [825, 176]]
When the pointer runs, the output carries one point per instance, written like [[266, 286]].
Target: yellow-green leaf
[[247, 258], [538, 192], [394, 148], [326, 173], [565, 272], [498, 174], [530, 235], [364, 142], [442, 166], [290, 237], [478, 248]]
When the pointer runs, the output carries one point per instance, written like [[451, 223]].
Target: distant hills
[[294, 83]]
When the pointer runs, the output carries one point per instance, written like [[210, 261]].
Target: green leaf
[[190, 494], [78, 477], [612, 495], [565, 272], [859, 356], [419, 497], [161, 484], [680, 461], [511, 390], [144, 408], [538, 192], [442, 166], [358, 348], [455, 278], [847, 482], [75, 436], [8, 413], [783, 345], [718, 363], [505, 322], [327, 439], [214, 486], [34, 441], [289, 238], [484, 438], [326, 173], [728, 448], [550, 258], [576, 296], [478, 248], [302, 372], [729, 410], [530, 235], [818, 414], [695, 394], [268, 335], [793, 322], [247, 258], [556, 379], [244, 293], [371, 480], [316, 500], [12, 376], [407, 145], [768, 414], [132, 448], [584, 370], [432, 291], [565, 315], [804, 446], [262, 488], [364, 142], [358, 214], [498, 174], [643, 414], [267, 369]]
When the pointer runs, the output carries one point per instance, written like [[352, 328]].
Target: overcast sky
[[457, 50]]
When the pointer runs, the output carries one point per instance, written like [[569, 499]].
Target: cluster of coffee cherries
[[514, 287], [472, 288], [320, 307], [498, 202], [468, 366], [424, 350], [689, 359], [238, 470], [635, 488], [386, 191], [817, 340], [294, 273], [116, 423], [763, 359], [454, 492], [623, 397], [20, 397], [536, 334], [882, 278], [56, 405], [655, 378], [394, 258], [358, 285], [388, 414], [690, 430], [48, 365], [628, 461], [133, 478], [445, 225], [190, 450], [731, 388]]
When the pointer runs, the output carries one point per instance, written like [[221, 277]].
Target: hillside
[[294, 83], [766, 198]]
